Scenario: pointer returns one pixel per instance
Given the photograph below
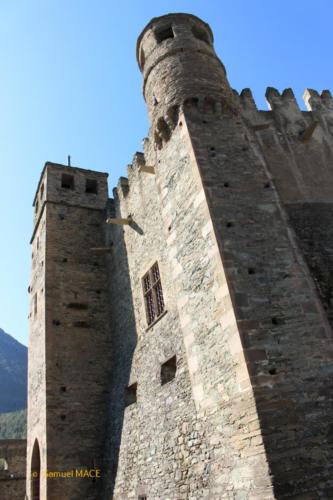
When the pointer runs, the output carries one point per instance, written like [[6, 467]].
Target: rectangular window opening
[[130, 395], [81, 324], [168, 370], [77, 305], [91, 186], [142, 497], [35, 304], [153, 295], [163, 34], [67, 181]]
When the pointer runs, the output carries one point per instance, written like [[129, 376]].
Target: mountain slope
[[13, 374], [13, 425]]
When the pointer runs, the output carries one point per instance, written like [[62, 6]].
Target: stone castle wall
[[172, 438], [297, 148], [12, 476], [235, 205]]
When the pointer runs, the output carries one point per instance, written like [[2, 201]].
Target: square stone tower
[[69, 333]]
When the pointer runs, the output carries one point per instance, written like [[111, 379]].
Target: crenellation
[[312, 100], [246, 100], [284, 104], [326, 98], [123, 186]]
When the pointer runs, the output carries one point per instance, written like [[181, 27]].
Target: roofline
[[60, 165]]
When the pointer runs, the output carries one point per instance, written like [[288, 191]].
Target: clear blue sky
[[69, 84]]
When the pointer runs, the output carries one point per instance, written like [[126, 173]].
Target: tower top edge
[[156, 20], [67, 168]]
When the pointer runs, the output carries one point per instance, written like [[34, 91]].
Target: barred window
[[153, 295]]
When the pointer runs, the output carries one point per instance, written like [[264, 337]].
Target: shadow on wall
[[124, 338]]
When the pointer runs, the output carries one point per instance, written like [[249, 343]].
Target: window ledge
[[156, 320]]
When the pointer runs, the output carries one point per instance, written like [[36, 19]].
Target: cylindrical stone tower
[[179, 65]]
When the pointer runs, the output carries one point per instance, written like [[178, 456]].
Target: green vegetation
[[13, 425], [13, 374]]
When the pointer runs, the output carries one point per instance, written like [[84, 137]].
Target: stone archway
[[35, 472]]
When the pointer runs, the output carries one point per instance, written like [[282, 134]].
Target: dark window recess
[[55, 322], [142, 497], [63, 417], [164, 34], [153, 295], [91, 186], [130, 395], [63, 388], [142, 58], [77, 305], [35, 304], [277, 321], [81, 324], [200, 34], [67, 181], [168, 370]]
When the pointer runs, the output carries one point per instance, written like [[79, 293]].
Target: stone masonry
[[12, 468], [225, 390]]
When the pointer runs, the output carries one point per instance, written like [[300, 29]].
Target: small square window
[[164, 33], [91, 186], [168, 370], [142, 497], [153, 295], [130, 395], [67, 181]]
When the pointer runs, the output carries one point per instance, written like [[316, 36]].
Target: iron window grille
[[153, 295]]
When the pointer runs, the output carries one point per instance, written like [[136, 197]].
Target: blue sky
[[69, 84]]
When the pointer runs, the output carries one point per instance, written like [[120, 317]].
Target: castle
[[181, 331]]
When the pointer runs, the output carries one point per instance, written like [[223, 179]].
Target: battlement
[[313, 100], [283, 110]]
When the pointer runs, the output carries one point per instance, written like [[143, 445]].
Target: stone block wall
[[297, 147], [12, 474], [275, 303]]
